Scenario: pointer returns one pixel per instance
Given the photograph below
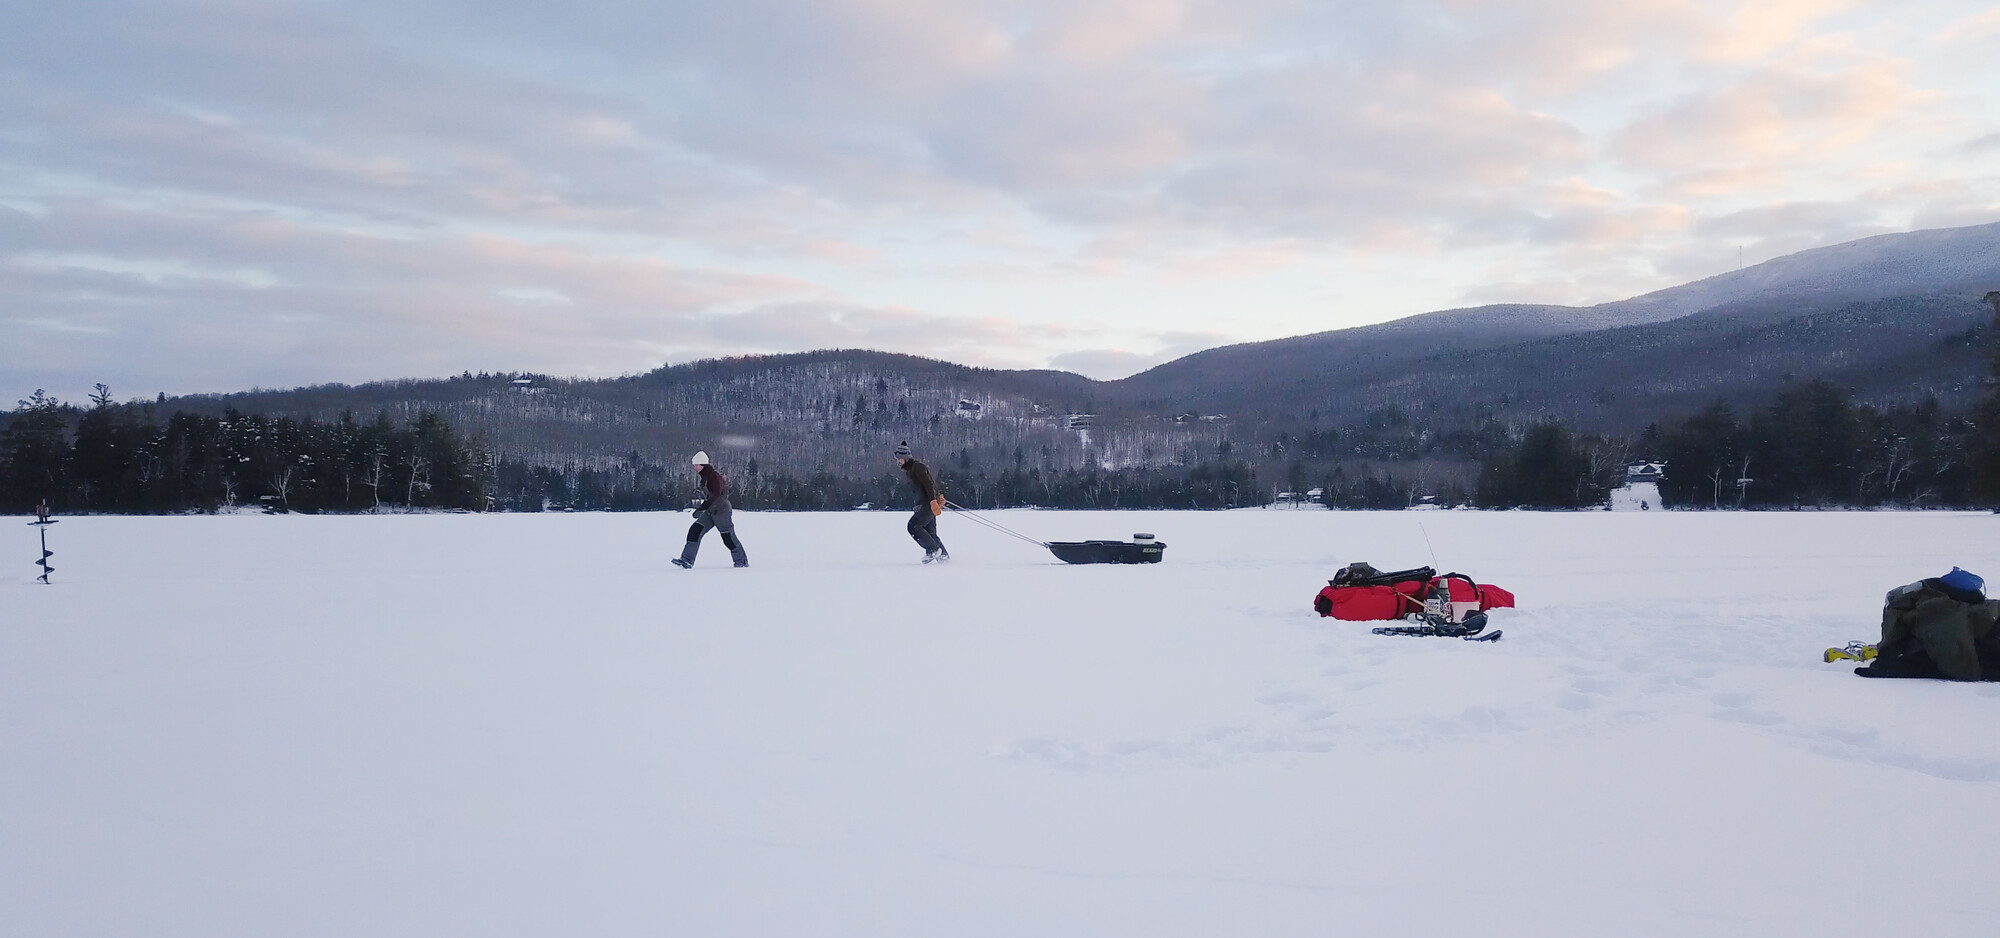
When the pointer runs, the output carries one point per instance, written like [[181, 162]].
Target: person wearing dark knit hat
[[715, 513], [923, 521]]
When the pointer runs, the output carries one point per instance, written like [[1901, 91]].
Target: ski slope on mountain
[[504, 725]]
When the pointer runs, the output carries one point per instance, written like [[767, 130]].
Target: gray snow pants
[[723, 519], [923, 529]]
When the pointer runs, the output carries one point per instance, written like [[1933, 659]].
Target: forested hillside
[[1434, 405]]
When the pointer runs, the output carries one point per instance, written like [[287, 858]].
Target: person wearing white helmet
[[713, 513]]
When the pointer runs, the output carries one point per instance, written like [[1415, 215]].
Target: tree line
[[126, 458], [1811, 445], [638, 485]]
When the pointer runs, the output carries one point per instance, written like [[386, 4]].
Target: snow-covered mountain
[[1919, 263], [1935, 261], [1892, 317]]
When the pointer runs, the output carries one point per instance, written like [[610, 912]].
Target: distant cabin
[[1641, 491], [1645, 472], [1079, 421], [1309, 499], [527, 386], [968, 409]]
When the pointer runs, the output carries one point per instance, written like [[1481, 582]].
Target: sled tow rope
[[995, 525]]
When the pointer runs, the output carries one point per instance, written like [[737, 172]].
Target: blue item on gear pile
[[1964, 580]]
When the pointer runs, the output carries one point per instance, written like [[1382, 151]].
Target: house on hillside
[[1641, 491], [1308, 499], [970, 410], [1645, 472]]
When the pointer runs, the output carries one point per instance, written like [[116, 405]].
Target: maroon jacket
[[711, 480]]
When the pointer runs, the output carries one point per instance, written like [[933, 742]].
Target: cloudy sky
[[207, 195]]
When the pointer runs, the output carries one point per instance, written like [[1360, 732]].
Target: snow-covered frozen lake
[[532, 725]]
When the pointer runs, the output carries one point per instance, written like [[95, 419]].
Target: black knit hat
[[903, 450]]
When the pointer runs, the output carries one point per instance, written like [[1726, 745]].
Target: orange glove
[[937, 505]]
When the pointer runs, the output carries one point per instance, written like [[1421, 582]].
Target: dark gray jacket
[[920, 476]]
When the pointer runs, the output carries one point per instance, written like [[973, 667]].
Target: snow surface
[[531, 725], [1636, 496]]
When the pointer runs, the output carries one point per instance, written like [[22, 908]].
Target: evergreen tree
[[1808, 447], [1704, 459], [1986, 420], [1546, 469], [102, 456], [32, 454]]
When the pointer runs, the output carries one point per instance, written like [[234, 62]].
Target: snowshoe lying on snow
[[1938, 628], [1854, 651], [1360, 593], [1473, 629]]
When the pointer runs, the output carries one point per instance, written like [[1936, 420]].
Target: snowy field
[[532, 725]]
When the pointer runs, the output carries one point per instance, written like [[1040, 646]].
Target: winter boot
[[686, 560], [1910, 663], [937, 556], [735, 546]]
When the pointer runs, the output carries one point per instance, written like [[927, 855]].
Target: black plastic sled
[[1140, 549]]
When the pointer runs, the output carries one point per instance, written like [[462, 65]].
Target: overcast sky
[[208, 196]]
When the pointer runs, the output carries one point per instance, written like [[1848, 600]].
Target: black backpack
[[1361, 574]]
